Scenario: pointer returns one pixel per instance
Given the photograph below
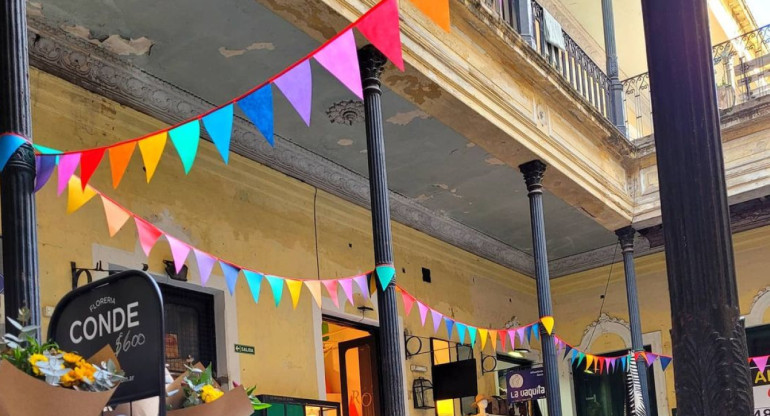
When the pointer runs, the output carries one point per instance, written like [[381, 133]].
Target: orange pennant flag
[[116, 216], [436, 10], [314, 286], [76, 195], [152, 149], [493, 338], [119, 158], [295, 287]]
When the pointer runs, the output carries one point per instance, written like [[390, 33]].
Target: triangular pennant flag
[[761, 362], [151, 149], [436, 10], [205, 265], [44, 166], [331, 287], [254, 280], [461, 331], [472, 335], [573, 357], [581, 356], [529, 333], [381, 28], [385, 275], [624, 362], [148, 235], [347, 289], [493, 339], [340, 58], [483, 337], [449, 326], [67, 165], [179, 251], [77, 196], [258, 107], [640, 354], [665, 361], [650, 358], [547, 324], [512, 338], [423, 312], [522, 336], [408, 303], [601, 364], [185, 139], [219, 124], [89, 161], [567, 350], [231, 275], [503, 337], [276, 284], [9, 143], [44, 150], [589, 360], [297, 86], [536, 331], [436, 318], [119, 157], [314, 286], [612, 363], [295, 288], [363, 285]]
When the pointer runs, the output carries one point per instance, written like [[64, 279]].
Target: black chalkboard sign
[[124, 311]]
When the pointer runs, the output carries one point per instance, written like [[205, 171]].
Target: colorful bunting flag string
[[604, 364]]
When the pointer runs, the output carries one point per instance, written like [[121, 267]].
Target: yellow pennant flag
[[547, 324], [483, 333], [493, 338], [314, 286], [436, 10], [152, 149], [295, 287], [589, 360], [116, 216], [76, 195]]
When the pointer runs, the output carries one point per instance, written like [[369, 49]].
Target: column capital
[[372, 62], [533, 175], [626, 238]]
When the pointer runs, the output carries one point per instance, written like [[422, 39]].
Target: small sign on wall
[[244, 349], [525, 385]]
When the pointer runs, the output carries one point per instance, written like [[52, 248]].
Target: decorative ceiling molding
[[90, 67]]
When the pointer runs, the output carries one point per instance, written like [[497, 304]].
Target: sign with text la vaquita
[[761, 381], [525, 385], [124, 311]]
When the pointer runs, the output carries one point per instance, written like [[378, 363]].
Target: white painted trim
[[320, 365], [759, 306]]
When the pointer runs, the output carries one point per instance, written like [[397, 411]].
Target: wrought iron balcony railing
[[741, 71]]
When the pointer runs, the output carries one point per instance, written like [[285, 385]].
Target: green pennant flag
[[254, 280], [185, 139], [276, 284], [385, 274]]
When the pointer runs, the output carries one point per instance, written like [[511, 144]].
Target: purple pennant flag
[[67, 165], [45, 166], [340, 57], [650, 357], [520, 332], [512, 336], [231, 275], [347, 287], [436, 320], [363, 285], [205, 265], [297, 86]]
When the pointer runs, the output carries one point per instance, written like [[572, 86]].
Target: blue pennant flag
[[8, 145], [449, 325], [258, 107], [536, 331], [528, 331], [623, 362], [664, 362], [231, 275], [219, 124], [574, 357], [567, 351], [254, 280]]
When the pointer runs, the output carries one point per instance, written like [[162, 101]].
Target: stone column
[[616, 109]]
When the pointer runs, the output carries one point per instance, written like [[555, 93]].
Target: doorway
[[351, 367]]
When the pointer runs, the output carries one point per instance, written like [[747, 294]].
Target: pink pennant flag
[[761, 363], [331, 287], [408, 302], [512, 337], [148, 235], [67, 165], [423, 312], [363, 285], [381, 28], [297, 86], [650, 358], [347, 287], [436, 317], [179, 252], [205, 265], [521, 333], [340, 58]]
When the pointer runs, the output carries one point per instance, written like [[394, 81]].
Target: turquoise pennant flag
[[185, 139], [449, 325], [254, 280], [44, 150], [276, 284], [385, 274], [258, 107], [581, 356], [8, 145], [536, 331], [472, 335], [231, 275], [219, 124], [460, 331], [574, 357]]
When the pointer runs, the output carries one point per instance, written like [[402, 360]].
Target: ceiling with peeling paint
[[218, 49]]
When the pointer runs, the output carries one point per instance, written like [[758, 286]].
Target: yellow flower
[[70, 357], [84, 371], [68, 379], [36, 358], [209, 394]]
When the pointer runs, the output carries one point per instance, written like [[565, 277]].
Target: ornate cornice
[[88, 66]]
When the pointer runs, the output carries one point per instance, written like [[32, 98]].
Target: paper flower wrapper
[[24, 395], [233, 403]]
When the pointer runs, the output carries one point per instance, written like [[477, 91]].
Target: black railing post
[[626, 238], [533, 176], [526, 21], [17, 197], [391, 357], [616, 110], [709, 343]]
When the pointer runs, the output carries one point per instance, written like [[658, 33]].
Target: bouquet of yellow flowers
[[203, 397]]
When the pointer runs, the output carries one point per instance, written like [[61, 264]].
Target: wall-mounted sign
[[525, 385], [761, 381], [244, 349], [124, 311]]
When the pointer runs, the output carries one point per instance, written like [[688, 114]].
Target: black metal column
[[615, 105], [626, 237], [533, 176], [17, 197], [391, 356], [710, 357]]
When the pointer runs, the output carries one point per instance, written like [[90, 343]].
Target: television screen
[[455, 380]]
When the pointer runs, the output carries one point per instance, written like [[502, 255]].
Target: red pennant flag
[[381, 27], [89, 161], [502, 335], [408, 303], [148, 235]]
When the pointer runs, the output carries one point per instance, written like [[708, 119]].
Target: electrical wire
[[604, 296]]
